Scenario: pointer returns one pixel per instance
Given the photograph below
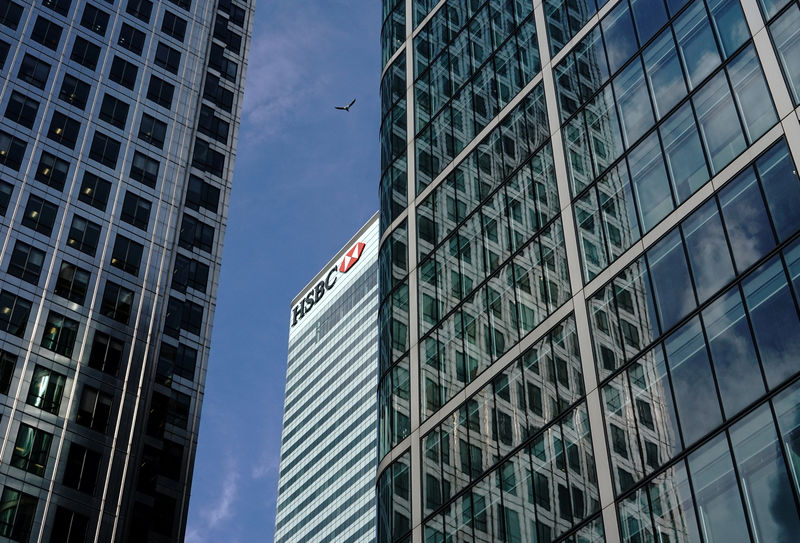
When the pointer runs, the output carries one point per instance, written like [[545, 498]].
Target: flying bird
[[347, 107]]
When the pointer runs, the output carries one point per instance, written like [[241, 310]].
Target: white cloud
[[216, 513]]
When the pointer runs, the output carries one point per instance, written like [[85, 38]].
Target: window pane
[[752, 95], [781, 188], [684, 152], [709, 256], [746, 220], [719, 123], [649, 16], [786, 36], [697, 44], [633, 102], [619, 35], [787, 409], [650, 183], [664, 72], [672, 286], [673, 506], [729, 23]]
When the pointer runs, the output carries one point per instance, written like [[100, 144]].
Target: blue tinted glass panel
[[633, 102], [649, 15], [786, 36], [746, 220], [664, 73], [752, 94], [672, 286], [709, 256], [620, 38], [729, 23], [650, 182], [719, 123], [697, 44], [684, 152], [781, 188]]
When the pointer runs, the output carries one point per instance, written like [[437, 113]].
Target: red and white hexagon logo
[[351, 257]]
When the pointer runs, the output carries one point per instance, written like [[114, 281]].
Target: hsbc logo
[[316, 293]]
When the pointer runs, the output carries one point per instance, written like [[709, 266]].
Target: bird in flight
[[347, 107]]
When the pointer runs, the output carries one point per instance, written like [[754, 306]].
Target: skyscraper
[[598, 308], [117, 138], [326, 485]]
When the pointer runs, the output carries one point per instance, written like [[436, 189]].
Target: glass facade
[[326, 489], [118, 126], [598, 308]]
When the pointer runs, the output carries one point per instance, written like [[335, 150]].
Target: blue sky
[[306, 179]]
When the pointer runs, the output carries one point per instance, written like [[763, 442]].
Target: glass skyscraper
[[118, 127], [597, 310], [326, 485]]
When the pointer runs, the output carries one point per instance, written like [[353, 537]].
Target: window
[[95, 20], [34, 71], [83, 235], [196, 234], [189, 273], [59, 6], [236, 13], [11, 151], [68, 526], [26, 262], [202, 194], [7, 363], [64, 130], [52, 171], [140, 9], [85, 53], [46, 32], [173, 25], [46, 389], [152, 131], [117, 302], [72, 283], [172, 410], [213, 126], [183, 315], [94, 191], [21, 109], [31, 449], [10, 14], [82, 467], [114, 111], [185, 4], [14, 312], [135, 210], [160, 92], [74, 91], [232, 40], [6, 189], [94, 411], [172, 361], [123, 72], [40, 215], [216, 94], [207, 159], [5, 47], [127, 254], [144, 169], [18, 511], [168, 58], [106, 353], [131, 38], [104, 150], [227, 68]]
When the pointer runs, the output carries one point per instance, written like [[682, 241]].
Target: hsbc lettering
[[319, 290]]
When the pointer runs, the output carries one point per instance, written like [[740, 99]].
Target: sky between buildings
[[306, 179]]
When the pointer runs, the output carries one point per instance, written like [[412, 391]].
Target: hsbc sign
[[319, 290]]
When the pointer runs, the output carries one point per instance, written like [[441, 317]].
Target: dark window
[[195, 233], [117, 302], [64, 130], [172, 361], [183, 315], [95, 19], [46, 388], [232, 40], [185, 4], [202, 194], [106, 354], [94, 191], [172, 410], [140, 9], [173, 25], [189, 273], [21, 109], [160, 92], [135, 210], [114, 111], [34, 71], [227, 68], [7, 363], [52, 171], [40, 215], [104, 150], [11, 150], [127, 254], [72, 283], [171, 460], [74, 91], [218, 95], [10, 14], [94, 411], [213, 126], [152, 131], [123, 72], [168, 58], [18, 511], [164, 515], [5, 47], [236, 13], [6, 190], [85, 53], [131, 38], [14, 312], [144, 169], [69, 526], [82, 467], [31, 449], [84, 235], [26, 262], [46, 32], [207, 159], [59, 6], [59, 334]]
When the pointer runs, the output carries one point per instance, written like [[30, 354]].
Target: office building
[[598, 306], [118, 127], [326, 484]]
